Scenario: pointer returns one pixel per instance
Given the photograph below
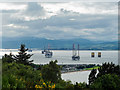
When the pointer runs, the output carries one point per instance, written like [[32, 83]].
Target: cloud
[[82, 7], [16, 26], [12, 6], [33, 11], [93, 21]]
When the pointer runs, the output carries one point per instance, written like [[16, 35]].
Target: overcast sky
[[67, 20]]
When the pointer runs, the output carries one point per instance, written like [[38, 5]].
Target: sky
[[96, 21]]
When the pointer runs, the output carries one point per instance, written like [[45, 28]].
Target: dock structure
[[92, 54], [75, 55], [99, 54], [48, 53]]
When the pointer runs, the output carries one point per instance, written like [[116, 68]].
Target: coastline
[[75, 71]]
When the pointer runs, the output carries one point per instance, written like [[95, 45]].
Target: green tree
[[8, 58], [15, 75], [92, 76], [106, 82], [22, 56], [80, 86], [106, 68], [51, 72]]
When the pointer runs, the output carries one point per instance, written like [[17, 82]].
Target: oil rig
[[75, 55], [48, 53]]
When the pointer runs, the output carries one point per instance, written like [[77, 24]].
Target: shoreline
[[75, 71], [67, 49]]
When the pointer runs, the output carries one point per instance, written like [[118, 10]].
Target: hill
[[40, 43]]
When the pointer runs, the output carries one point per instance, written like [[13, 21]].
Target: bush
[[106, 82], [22, 72], [12, 81], [106, 68], [51, 72]]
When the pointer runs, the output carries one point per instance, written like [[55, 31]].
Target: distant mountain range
[[40, 43]]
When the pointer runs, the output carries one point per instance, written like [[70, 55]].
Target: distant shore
[[66, 49], [76, 71]]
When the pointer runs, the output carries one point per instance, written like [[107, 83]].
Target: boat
[[43, 52], [29, 50]]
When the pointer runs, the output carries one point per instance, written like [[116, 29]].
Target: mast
[[73, 49], [48, 47], [78, 49], [44, 47]]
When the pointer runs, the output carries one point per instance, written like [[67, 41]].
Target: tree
[[8, 58], [92, 76], [22, 56], [106, 68], [106, 82], [51, 72]]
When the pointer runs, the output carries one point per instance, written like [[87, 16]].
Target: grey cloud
[[105, 25], [34, 9]]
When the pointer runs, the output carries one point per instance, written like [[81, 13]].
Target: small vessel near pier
[[29, 50], [75, 55]]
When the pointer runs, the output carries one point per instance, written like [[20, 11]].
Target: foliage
[[21, 72], [12, 81], [51, 72], [69, 85], [106, 68], [23, 57], [8, 58], [92, 76], [43, 85], [106, 82], [61, 84], [80, 86]]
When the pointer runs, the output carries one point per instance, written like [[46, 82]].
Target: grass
[[95, 67]]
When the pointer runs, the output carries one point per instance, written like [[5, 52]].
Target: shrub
[[51, 72], [106, 82]]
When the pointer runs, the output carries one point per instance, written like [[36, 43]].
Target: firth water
[[65, 57]]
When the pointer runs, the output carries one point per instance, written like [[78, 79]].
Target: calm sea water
[[74, 77], [64, 57]]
